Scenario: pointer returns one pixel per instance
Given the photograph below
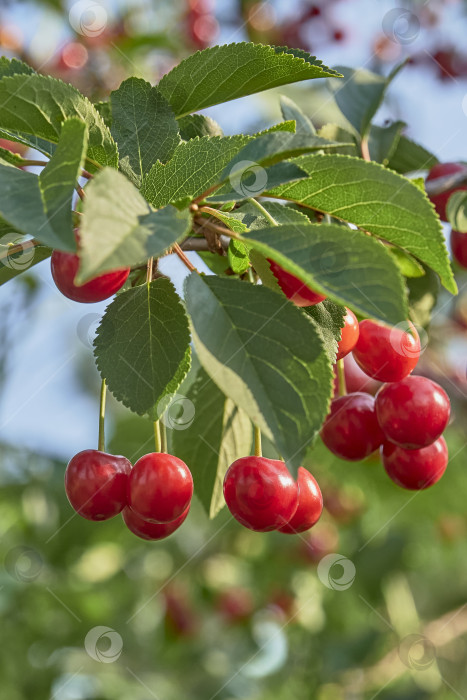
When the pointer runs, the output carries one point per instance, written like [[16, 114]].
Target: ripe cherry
[[260, 493], [459, 247], [293, 288], [160, 487], [151, 531], [351, 430], [387, 354], [415, 469], [356, 379], [413, 412], [349, 334], [442, 170], [96, 484], [310, 504], [64, 268]]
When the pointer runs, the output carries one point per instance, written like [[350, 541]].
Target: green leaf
[[329, 319], [7, 156], [410, 157], [457, 211], [194, 125], [382, 141], [289, 125], [408, 266], [13, 265], [12, 66], [360, 94], [375, 199], [348, 266], [219, 434], [30, 141], [249, 179], [194, 167], [238, 257], [423, 294], [119, 228], [143, 125], [105, 110], [248, 217], [142, 346], [290, 110], [216, 263], [58, 180], [265, 355], [334, 132], [224, 73], [39, 104]]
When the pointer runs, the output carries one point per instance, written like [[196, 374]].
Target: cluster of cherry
[[154, 496], [409, 414]]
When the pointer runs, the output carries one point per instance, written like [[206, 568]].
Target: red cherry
[[387, 354], [413, 412], [260, 493], [96, 483], [459, 247], [351, 429], [151, 531], [236, 604], [13, 147], [293, 288], [64, 268], [415, 469], [338, 35], [349, 334], [310, 504], [442, 170], [160, 487]]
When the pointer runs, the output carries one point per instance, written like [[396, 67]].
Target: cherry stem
[[257, 434], [163, 437], [263, 211], [365, 149], [18, 248], [157, 436], [341, 377], [183, 258], [149, 275], [101, 439], [81, 193]]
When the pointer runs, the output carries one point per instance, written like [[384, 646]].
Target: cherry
[[459, 247], [351, 429], [356, 379], [151, 531], [293, 288], [386, 354], [64, 268], [442, 170], [413, 412], [96, 483], [310, 504], [415, 469], [160, 487], [13, 146], [349, 334], [260, 493], [236, 604]]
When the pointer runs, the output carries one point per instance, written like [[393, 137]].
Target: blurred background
[[90, 611]]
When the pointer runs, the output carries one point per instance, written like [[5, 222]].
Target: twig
[[178, 251]]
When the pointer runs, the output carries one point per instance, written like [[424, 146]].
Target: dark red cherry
[[413, 412], [160, 487], [293, 288], [96, 484], [260, 493], [415, 469], [310, 504], [351, 429], [64, 268], [349, 334], [387, 354], [151, 531], [459, 247], [441, 170]]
